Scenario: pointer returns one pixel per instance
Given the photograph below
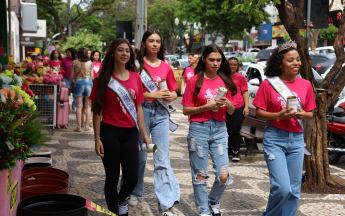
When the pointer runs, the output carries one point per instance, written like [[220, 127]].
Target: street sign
[[240, 44], [27, 41], [274, 42]]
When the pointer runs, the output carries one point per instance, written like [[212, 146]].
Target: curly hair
[[274, 62]]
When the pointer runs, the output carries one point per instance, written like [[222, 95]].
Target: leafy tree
[[317, 165], [161, 16], [83, 40], [329, 33], [228, 21]]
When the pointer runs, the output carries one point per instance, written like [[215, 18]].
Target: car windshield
[[184, 64], [244, 67], [264, 54]]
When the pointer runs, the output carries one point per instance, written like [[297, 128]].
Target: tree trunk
[[314, 35]]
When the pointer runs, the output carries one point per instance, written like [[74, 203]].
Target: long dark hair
[[52, 55], [82, 55], [72, 52], [224, 70], [274, 61], [93, 53], [142, 51], [238, 62], [107, 70]]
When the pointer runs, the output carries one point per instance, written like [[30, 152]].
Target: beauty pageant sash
[[125, 97], [151, 86]]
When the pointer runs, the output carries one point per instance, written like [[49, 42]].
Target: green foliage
[[83, 40], [45, 52], [32, 132], [301, 32], [329, 33], [247, 59]]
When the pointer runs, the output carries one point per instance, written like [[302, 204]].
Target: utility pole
[[69, 18], [140, 20], [308, 22], [9, 29]]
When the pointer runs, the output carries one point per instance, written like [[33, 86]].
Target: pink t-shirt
[[188, 73], [163, 71], [66, 63], [269, 100], [113, 111], [96, 67], [208, 90], [54, 64], [241, 84]]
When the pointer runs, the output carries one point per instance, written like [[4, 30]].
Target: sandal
[[77, 130]]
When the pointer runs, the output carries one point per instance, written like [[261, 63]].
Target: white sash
[[125, 97], [151, 86], [284, 91]]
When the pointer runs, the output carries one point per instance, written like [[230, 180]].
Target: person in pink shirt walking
[[55, 59], [207, 130], [283, 140], [234, 121]]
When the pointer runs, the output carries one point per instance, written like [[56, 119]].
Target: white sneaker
[[133, 200], [214, 208], [123, 208], [168, 213]]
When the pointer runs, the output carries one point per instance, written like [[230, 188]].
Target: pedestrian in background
[[83, 84], [55, 59], [96, 63], [283, 140], [207, 129], [234, 121], [188, 72], [153, 69], [115, 127], [66, 65], [89, 54]]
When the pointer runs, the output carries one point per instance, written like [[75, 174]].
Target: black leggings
[[120, 147], [234, 125]]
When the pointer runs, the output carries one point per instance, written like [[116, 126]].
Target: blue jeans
[[82, 87], [166, 186], [68, 85], [284, 153], [208, 137]]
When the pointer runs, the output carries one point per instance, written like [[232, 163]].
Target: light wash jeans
[[284, 153], [68, 85], [166, 186], [208, 137]]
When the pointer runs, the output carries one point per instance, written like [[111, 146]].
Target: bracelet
[[97, 138]]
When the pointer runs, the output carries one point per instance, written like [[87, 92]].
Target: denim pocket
[[271, 129]]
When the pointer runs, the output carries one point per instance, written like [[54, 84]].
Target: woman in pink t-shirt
[[207, 130], [234, 121], [151, 63], [283, 141], [188, 72], [116, 131], [96, 63], [55, 59]]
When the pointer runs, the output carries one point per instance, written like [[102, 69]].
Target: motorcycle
[[336, 133]]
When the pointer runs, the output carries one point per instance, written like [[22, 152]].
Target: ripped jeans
[[284, 153], [208, 137]]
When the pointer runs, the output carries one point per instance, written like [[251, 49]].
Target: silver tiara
[[287, 45]]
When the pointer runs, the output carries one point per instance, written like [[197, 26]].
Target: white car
[[255, 74], [328, 50]]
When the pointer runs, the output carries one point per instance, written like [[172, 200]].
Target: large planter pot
[[10, 182], [41, 153], [46, 173], [36, 165], [53, 205], [35, 187]]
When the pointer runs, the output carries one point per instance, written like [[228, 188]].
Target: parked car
[[171, 58], [328, 50], [342, 93], [251, 52], [316, 59], [263, 55], [244, 69], [255, 74], [234, 54], [321, 68]]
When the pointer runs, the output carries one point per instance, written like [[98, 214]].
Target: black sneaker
[[172, 109], [123, 208], [214, 208], [236, 156]]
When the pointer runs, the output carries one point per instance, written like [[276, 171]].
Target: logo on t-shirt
[[132, 92], [96, 68], [190, 75], [210, 93]]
